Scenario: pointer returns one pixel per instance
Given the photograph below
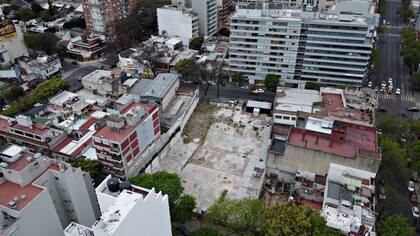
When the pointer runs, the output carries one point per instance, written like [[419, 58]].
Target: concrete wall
[[175, 23], [302, 159], [170, 95]]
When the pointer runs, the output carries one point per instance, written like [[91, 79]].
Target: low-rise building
[[160, 90], [103, 82], [86, 48], [37, 135], [43, 66], [11, 40], [128, 60], [41, 196], [123, 141], [125, 207]]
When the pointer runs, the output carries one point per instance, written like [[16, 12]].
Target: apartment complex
[[207, 13], [320, 5], [102, 16], [41, 196], [226, 8], [333, 47], [126, 137], [124, 208], [177, 21]]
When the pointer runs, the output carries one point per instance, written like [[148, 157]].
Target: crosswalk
[[387, 96]]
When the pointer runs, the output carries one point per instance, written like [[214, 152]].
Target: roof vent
[[37, 155], [30, 159], [4, 165], [12, 204], [113, 184], [125, 185]]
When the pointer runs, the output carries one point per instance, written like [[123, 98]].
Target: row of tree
[[410, 51], [405, 11]]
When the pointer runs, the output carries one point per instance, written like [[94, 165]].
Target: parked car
[[257, 91], [413, 197], [382, 109], [370, 84], [415, 212], [413, 109], [398, 91], [390, 81], [382, 193], [411, 186]]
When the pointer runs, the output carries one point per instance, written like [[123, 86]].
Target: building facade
[[225, 9], [125, 139], [125, 207], [41, 196], [103, 16], [207, 13], [300, 45], [178, 22]]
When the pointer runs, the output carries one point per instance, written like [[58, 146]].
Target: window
[[293, 118]]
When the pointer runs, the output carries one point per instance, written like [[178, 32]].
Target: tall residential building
[[225, 9], [320, 5], [40, 196], [207, 13], [102, 16], [125, 139], [127, 210], [177, 21], [331, 48]]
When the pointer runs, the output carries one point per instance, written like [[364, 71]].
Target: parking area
[[230, 161]]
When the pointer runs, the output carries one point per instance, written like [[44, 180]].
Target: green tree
[[375, 56], [406, 13], [238, 77], [24, 14], [46, 42], [205, 231], [182, 211], [162, 181], [415, 81], [185, 67], [240, 215], [13, 93], [319, 225], [312, 85], [286, 219], [197, 42], [271, 81], [36, 8], [48, 88], [395, 225], [93, 167]]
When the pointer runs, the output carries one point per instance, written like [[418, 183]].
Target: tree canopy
[[197, 42], [238, 77], [46, 42], [240, 215], [271, 81], [395, 225], [93, 167], [48, 88], [13, 93], [205, 231], [185, 67], [181, 206], [415, 81]]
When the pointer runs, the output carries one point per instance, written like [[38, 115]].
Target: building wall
[[331, 52], [169, 96], [177, 23], [207, 12], [39, 218]]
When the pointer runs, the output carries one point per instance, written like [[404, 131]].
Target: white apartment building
[[177, 21], [40, 196], [207, 13], [127, 211], [330, 48], [315, 4]]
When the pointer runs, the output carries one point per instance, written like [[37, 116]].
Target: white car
[[415, 212], [411, 186], [370, 84], [398, 91], [390, 81]]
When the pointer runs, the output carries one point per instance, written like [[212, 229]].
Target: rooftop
[[160, 86], [296, 99], [110, 133], [335, 105], [347, 140], [98, 76], [62, 98]]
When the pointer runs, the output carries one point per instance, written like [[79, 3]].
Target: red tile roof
[[37, 128], [88, 124], [20, 163], [356, 139], [312, 204]]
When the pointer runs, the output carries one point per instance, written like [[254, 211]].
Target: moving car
[[257, 91], [398, 91], [415, 212], [390, 81], [411, 186]]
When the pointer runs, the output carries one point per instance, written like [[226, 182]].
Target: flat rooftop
[[295, 100], [357, 139], [333, 105], [98, 76], [109, 133], [160, 86]]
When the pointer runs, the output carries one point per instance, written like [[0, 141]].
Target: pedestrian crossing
[[387, 96]]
